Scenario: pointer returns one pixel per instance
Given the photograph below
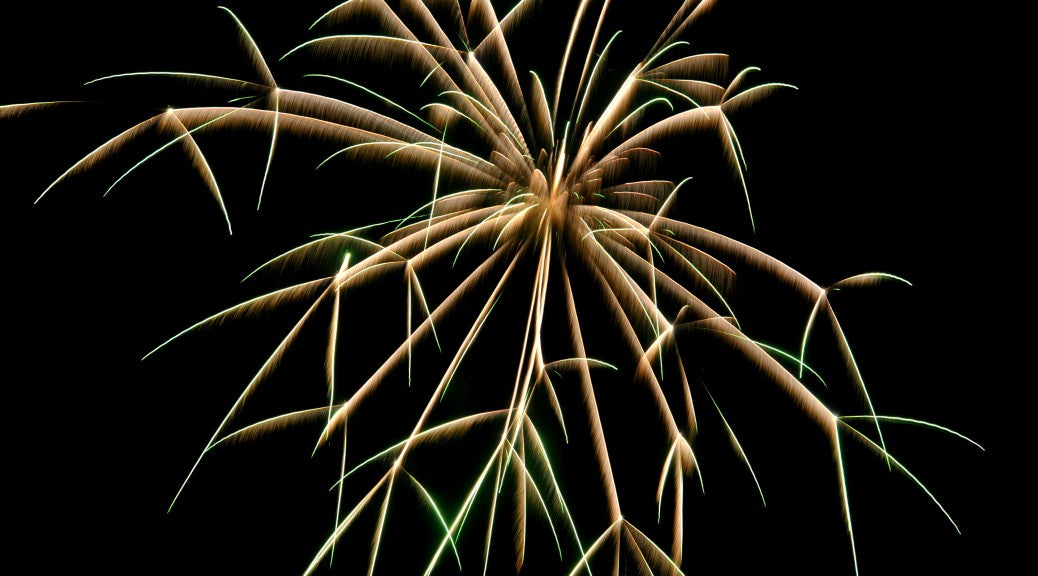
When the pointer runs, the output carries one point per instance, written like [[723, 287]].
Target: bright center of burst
[[554, 200]]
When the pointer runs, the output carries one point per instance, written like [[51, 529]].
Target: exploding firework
[[545, 278]]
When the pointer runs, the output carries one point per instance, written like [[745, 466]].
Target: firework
[[550, 231]]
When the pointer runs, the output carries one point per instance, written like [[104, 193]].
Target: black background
[[876, 163]]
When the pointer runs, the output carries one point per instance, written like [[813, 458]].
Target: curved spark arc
[[570, 224]]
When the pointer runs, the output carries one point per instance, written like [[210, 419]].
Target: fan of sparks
[[531, 190]]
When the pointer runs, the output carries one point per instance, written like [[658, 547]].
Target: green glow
[[735, 137], [915, 422], [807, 329], [608, 229], [738, 447], [633, 286], [557, 408], [698, 469], [436, 145], [439, 516], [329, 13], [163, 147], [662, 51], [456, 111], [755, 88], [493, 114], [273, 143], [349, 235], [562, 157], [713, 288], [495, 215], [635, 226], [252, 44], [410, 331], [493, 510], [663, 480], [465, 44], [425, 308], [341, 528], [399, 147], [667, 203], [338, 497], [509, 14], [555, 485], [175, 75], [540, 87], [861, 381], [334, 337], [353, 147], [783, 354], [466, 505], [738, 78], [870, 276], [208, 173], [509, 223], [436, 189], [843, 494], [902, 468], [672, 91], [639, 109], [358, 37], [493, 459], [418, 437], [375, 94], [540, 499], [738, 168], [429, 75], [403, 221]]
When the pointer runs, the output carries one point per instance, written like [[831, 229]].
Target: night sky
[[868, 166]]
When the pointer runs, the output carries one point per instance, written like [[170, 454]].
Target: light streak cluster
[[542, 200]]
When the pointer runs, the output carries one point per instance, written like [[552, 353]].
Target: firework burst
[[549, 245]]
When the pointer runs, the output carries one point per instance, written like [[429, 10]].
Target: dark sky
[[869, 166]]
